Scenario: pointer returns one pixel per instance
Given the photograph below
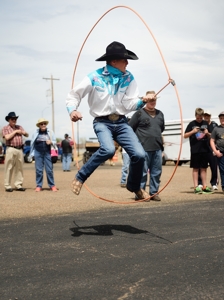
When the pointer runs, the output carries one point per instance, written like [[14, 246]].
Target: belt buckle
[[113, 117]]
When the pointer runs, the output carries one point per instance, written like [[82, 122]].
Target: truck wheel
[[84, 158], [179, 163], [163, 161], [27, 158]]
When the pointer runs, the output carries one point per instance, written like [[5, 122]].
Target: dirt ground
[[176, 187]]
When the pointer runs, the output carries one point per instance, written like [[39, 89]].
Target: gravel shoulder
[[176, 187]]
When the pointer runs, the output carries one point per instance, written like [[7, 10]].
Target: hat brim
[[129, 55], [7, 118], [42, 122]]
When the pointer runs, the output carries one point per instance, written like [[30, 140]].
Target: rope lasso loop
[[170, 81]]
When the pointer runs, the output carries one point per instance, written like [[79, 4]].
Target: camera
[[202, 129]]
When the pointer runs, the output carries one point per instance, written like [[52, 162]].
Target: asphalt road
[[168, 250]]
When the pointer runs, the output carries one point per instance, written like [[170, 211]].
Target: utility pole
[[52, 97]]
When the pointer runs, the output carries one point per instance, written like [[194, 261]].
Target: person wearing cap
[[13, 135], [112, 93], [40, 148], [212, 159], [197, 132], [66, 146], [148, 124], [217, 145]]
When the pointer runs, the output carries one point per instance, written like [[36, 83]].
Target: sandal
[[76, 186]]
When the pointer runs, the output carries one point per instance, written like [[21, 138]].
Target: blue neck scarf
[[116, 74]]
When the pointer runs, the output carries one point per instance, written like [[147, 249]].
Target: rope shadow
[[107, 230]]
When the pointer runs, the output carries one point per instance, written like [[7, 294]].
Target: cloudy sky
[[43, 38]]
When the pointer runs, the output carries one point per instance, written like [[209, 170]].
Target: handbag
[[54, 152]]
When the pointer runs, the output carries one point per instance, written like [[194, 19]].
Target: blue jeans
[[125, 167], [66, 161], [153, 163], [221, 170], [43, 159], [108, 131]]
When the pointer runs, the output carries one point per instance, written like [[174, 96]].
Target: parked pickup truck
[[2, 153], [26, 152]]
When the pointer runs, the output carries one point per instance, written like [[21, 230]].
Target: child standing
[[197, 132], [217, 145]]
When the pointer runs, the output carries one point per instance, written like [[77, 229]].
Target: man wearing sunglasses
[[13, 135]]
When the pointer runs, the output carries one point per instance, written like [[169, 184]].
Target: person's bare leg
[[195, 177], [203, 177]]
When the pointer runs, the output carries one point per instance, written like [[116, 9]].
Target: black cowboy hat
[[11, 115], [117, 50]]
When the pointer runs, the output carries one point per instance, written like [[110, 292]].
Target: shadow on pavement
[[107, 230]]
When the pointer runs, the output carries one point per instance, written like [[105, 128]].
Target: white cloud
[[40, 38]]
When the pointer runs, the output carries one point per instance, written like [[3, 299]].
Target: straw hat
[[41, 120]]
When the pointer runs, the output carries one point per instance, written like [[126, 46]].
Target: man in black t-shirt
[[197, 132], [66, 146], [212, 159]]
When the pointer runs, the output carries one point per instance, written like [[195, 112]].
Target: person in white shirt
[[112, 93]]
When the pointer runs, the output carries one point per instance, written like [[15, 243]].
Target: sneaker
[[214, 187], [38, 189], [198, 190], [54, 189], [123, 185], [207, 190]]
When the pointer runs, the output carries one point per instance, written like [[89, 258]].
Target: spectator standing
[[148, 124], [112, 159], [212, 159], [66, 146], [13, 135], [197, 132], [125, 168], [41, 142], [112, 93], [125, 165], [217, 145]]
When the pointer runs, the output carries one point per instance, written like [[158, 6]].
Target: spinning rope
[[169, 81]]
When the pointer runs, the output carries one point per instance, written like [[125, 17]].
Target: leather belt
[[19, 147], [112, 117]]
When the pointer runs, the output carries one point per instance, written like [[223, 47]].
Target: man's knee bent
[[107, 152]]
